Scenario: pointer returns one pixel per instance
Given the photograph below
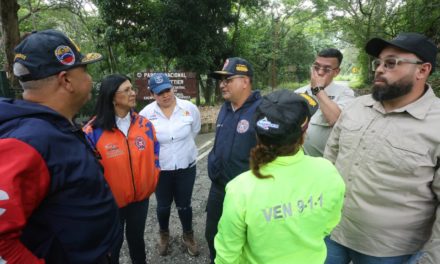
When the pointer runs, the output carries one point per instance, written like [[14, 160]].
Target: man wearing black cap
[[55, 206], [280, 210], [234, 137], [387, 147]]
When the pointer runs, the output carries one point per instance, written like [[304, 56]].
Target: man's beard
[[388, 91]]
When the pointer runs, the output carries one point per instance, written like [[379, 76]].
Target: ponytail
[[263, 154]]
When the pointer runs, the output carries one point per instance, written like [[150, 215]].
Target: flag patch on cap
[[65, 55]]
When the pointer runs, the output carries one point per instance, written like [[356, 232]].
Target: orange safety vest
[[131, 164]]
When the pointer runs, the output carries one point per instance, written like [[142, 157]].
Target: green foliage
[[275, 43], [190, 32], [170, 35], [434, 80], [291, 85], [2, 54], [280, 38], [357, 83], [358, 21]]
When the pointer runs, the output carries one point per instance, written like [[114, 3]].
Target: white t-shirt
[[123, 123], [176, 135]]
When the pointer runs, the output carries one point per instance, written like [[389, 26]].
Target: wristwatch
[[316, 90]]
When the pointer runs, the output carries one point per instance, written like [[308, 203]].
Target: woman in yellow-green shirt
[[281, 210]]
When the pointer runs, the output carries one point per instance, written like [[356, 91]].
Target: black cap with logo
[[283, 116], [234, 66], [46, 53]]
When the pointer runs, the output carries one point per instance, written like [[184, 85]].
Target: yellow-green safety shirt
[[283, 219]]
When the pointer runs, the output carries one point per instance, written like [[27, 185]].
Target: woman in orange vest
[[129, 153]]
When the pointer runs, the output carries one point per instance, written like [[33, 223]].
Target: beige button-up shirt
[[319, 129], [390, 164]]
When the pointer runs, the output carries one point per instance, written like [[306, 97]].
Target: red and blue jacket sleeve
[[24, 182]]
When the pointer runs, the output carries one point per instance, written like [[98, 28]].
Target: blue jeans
[[133, 218], [175, 185], [339, 254]]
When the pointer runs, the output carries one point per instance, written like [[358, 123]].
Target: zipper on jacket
[[129, 161]]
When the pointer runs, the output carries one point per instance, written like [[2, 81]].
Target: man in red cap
[[387, 148]]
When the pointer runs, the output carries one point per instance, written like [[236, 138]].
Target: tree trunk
[[236, 28], [111, 59], [10, 33], [199, 85], [207, 91], [275, 50]]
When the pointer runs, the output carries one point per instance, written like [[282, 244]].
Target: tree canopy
[[279, 37]]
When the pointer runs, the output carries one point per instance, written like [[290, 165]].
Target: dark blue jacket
[[234, 138], [59, 206]]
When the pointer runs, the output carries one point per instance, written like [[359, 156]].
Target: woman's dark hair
[[264, 152], [105, 110]]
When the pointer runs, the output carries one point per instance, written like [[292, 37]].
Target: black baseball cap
[[283, 116], [48, 52], [415, 43], [234, 66]]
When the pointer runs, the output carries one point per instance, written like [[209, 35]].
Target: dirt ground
[[208, 114], [177, 254]]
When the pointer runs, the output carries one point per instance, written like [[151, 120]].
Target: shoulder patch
[[243, 126]]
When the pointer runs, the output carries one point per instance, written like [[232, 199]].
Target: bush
[[292, 85], [357, 84], [434, 80]]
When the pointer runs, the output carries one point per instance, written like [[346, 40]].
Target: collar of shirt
[[123, 123], [418, 109], [179, 105], [286, 160]]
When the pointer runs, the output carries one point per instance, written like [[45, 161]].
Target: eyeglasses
[[390, 63], [226, 81], [325, 69], [128, 91]]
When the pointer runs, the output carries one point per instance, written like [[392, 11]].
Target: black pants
[[177, 186], [133, 218], [214, 209]]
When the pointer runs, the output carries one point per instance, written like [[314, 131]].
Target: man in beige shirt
[[331, 96], [387, 147]]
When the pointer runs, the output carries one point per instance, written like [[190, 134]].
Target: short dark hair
[[331, 53], [105, 110]]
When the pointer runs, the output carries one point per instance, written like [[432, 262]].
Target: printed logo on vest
[[140, 143], [243, 126], [112, 150], [153, 116]]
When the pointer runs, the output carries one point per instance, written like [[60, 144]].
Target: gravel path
[[177, 254]]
